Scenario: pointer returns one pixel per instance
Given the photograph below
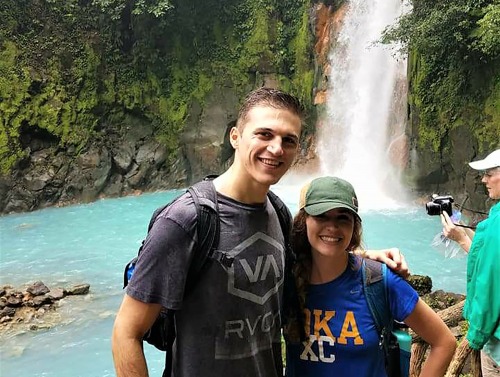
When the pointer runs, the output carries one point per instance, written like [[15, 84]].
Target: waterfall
[[366, 105]]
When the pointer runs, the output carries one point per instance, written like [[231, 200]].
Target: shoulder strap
[[207, 227], [375, 287], [284, 217], [291, 301]]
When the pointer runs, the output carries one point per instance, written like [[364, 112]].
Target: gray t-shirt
[[229, 325]]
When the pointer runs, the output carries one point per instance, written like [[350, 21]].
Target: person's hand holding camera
[[454, 232]]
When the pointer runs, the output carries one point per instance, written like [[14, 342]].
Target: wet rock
[[79, 289], [14, 301], [7, 312], [37, 289], [56, 293], [42, 300]]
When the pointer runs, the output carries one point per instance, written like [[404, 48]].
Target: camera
[[439, 204]]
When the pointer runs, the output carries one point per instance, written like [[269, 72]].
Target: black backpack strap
[[204, 197], [208, 228], [291, 303]]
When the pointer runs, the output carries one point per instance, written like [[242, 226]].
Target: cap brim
[[482, 165], [320, 208]]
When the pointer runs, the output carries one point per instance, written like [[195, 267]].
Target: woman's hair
[[302, 268]]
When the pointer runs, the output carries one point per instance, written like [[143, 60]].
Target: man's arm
[[134, 318], [392, 257]]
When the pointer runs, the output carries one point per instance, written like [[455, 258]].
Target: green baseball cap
[[326, 193]]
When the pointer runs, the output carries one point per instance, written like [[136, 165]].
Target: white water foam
[[364, 106]]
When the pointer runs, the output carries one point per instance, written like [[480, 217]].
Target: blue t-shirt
[[343, 339]]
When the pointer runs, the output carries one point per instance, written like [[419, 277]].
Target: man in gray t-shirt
[[230, 321], [229, 325]]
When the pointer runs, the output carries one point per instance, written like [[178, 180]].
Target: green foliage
[[256, 46], [73, 68], [115, 8], [303, 77], [14, 84], [488, 31], [487, 133], [453, 47]]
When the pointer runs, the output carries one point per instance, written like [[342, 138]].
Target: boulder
[[37, 289]]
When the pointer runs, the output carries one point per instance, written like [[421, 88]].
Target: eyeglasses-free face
[[491, 180]]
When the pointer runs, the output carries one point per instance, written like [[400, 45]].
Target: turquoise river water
[[91, 243]]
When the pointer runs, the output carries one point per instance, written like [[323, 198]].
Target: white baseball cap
[[491, 161]]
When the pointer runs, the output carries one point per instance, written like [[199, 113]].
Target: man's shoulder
[[181, 210]]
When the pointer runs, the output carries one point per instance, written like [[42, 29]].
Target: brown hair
[[269, 97], [302, 268]]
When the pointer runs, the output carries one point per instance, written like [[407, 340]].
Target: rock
[[123, 158], [14, 302], [440, 299], [41, 300], [38, 289], [79, 289], [56, 293], [422, 284], [7, 312], [5, 319]]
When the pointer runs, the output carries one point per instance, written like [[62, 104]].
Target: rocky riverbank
[[34, 307]]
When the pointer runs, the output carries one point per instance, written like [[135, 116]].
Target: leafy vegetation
[[454, 50], [73, 68]]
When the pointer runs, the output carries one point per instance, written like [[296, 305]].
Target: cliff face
[[127, 161], [164, 124], [102, 103]]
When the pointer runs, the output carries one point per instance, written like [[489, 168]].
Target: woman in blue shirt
[[341, 335]]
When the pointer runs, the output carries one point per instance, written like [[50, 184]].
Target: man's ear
[[234, 137]]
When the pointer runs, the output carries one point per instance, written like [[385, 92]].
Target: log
[[451, 317], [476, 364], [418, 351], [459, 358]]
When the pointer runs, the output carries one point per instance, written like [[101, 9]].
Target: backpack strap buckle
[[222, 258]]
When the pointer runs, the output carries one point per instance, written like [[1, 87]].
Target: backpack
[[395, 342], [162, 333]]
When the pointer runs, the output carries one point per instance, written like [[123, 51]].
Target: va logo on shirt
[[257, 271]]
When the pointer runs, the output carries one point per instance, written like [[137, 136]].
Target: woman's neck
[[325, 269]]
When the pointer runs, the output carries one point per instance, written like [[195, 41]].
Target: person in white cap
[[482, 305]]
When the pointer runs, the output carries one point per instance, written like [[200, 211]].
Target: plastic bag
[[447, 247]]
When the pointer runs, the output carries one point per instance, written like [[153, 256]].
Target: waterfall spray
[[364, 107]]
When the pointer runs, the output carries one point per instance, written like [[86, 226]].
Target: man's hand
[[392, 258]]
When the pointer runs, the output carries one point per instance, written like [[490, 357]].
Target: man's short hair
[[272, 98]]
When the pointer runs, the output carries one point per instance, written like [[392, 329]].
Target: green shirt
[[482, 305]]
